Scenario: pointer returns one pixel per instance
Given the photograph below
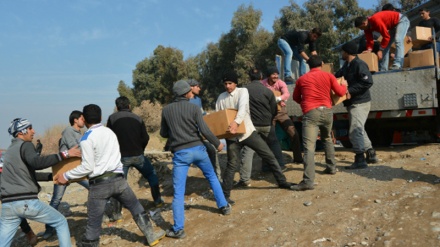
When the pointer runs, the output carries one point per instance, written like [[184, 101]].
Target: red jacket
[[381, 22]]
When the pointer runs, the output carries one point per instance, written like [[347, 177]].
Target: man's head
[[255, 74], [21, 128], [92, 114], [272, 75], [349, 49], [424, 13], [182, 88], [361, 22], [314, 61], [230, 80], [195, 86], [76, 118], [122, 103], [38, 141], [315, 33]]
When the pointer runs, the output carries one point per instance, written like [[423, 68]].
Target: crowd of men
[[108, 152]]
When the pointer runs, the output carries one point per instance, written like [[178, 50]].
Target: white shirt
[[238, 100], [99, 154]]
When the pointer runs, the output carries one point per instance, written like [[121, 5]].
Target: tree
[[125, 90]]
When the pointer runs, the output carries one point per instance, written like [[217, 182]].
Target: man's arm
[[243, 106], [204, 129], [164, 127], [297, 92], [364, 80], [87, 163], [145, 137]]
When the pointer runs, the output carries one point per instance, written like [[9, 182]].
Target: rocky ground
[[392, 203]]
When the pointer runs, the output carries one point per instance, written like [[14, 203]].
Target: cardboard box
[[328, 67], [420, 36], [407, 46], [371, 59], [335, 98], [406, 62], [422, 58], [277, 93], [218, 123], [66, 165]]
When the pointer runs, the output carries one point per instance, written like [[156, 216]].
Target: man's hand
[[233, 127], [366, 51], [59, 179], [74, 152], [409, 40], [344, 82], [220, 147], [348, 95], [314, 53], [379, 54]]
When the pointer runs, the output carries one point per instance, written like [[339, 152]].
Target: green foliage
[[125, 90]]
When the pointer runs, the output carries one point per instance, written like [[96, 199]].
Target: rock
[[308, 203]]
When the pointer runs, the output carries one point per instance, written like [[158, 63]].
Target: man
[[133, 138], [359, 80], [312, 92], [275, 84], [393, 26], [101, 163], [238, 99], [19, 187], [39, 147], [431, 22], [212, 151], [70, 138], [182, 123], [263, 108], [292, 44]]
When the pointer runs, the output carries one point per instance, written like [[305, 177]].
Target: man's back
[[262, 104], [131, 132]]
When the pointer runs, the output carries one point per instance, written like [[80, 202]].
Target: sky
[[57, 55]]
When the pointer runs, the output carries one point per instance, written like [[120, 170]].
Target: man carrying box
[[312, 92], [238, 98], [392, 26], [430, 22], [359, 80]]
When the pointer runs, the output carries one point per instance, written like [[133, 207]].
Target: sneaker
[[371, 156], [359, 162], [31, 238], [356, 166], [289, 79], [231, 202], [175, 234], [301, 187], [330, 171], [395, 67], [226, 210], [285, 185], [242, 184], [159, 204], [48, 233], [298, 162]]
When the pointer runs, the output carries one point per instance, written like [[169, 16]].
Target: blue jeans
[[99, 194], [397, 36], [13, 212], [430, 45], [321, 119], [287, 51], [358, 114], [182, 160]]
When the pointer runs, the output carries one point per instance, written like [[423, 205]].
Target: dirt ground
[[392, 203]]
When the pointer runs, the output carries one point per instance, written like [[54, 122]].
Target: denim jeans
[[213, 157], [182, 160], [144, 166], [13, 212], [99, 194], [58, 193], [397, 36], [288, 126], [358, 114], [255, 142], [302, 66], [321, 119], [287, 51], [247, 154]]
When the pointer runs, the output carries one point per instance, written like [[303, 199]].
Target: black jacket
[[298, 39], [262, 104], [359, 81]]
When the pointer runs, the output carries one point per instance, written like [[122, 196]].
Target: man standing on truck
[[430, 22], [313, 93], [358, 102], [392, 26]]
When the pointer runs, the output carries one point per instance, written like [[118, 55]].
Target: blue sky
[[59, 55]]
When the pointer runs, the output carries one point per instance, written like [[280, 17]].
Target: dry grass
[[50, 139]]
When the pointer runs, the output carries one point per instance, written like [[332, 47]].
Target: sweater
[[262, 104]]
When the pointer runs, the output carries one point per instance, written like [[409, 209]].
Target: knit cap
[[19, 125], [193, 82], [272, 70], [181, 87], [350, 48], [230, 76]]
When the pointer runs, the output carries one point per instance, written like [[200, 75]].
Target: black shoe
[[178, 234], [48, 233], [330, 171], [231, 202], [226, 210], [301, 187], [285, 185], [298, 162], [371, 156], [242, 184], [289, 79], [359, 162]]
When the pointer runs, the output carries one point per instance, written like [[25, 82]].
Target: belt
[[104, 177]]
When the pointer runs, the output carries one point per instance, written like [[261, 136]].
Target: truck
[[404, 104]]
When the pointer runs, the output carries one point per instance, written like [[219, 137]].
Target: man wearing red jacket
[[392, 26], [312, 92]]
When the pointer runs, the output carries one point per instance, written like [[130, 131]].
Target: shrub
[[151, 114]]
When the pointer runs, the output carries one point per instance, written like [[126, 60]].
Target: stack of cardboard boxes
[[418, 58]]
